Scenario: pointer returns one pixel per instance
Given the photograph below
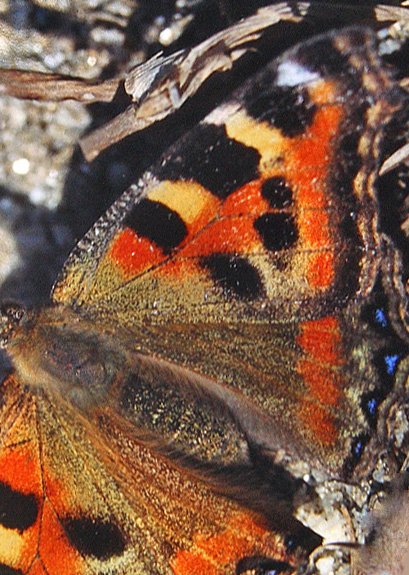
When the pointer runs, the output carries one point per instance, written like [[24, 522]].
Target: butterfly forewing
[[256, 237]]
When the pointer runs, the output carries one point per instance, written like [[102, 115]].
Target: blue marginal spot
[[358, 445], [372, 406], [391, 363], [357, 448], [380, 317]]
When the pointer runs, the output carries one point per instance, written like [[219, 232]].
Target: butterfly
[[238, 314]]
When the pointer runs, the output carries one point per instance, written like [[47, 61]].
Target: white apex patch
[[290, 73], [220, 113]]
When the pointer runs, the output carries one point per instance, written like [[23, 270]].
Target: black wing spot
[[5, 570], [259, 565], [98, 538], [17, 510], [211, 158], [349, 158], [320, 56], [278, 231], [291, 111], [155, 221], [278, 194], [303, 538], [235, 275]]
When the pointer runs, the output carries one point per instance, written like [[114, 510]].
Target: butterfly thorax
[[70, 357]]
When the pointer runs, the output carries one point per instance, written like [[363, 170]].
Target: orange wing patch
[[321, 370], [33, 540], [243, 538]]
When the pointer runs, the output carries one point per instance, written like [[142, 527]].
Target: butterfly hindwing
[[73, 501]]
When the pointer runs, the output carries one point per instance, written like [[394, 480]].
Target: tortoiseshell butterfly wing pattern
[[225, 318], [257, 237]]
